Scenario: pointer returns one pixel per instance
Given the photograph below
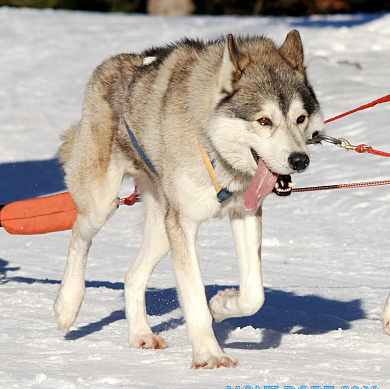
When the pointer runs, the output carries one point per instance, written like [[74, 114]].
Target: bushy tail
[[65, 149]]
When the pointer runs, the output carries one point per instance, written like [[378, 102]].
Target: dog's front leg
[[386, 316], [183, 242], [250, 297]]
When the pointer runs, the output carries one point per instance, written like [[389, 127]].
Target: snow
[[325, 255]]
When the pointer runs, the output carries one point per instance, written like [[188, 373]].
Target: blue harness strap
[[138, 146], [145, 61]]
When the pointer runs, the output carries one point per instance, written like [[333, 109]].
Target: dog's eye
[[265, 122], [301, 119]]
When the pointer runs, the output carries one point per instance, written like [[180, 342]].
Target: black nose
[[298, 161]]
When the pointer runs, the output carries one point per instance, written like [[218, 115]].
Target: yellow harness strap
[[222, 193]]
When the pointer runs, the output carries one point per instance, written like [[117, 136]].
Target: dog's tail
[[65, 149]]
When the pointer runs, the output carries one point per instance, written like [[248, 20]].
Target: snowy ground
[[325, 257]]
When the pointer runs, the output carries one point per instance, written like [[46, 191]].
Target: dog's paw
[[217, 304], [214, 362], [67, 307], [65, 317], [148, 341]]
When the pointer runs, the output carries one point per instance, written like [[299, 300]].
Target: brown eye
[[265, 122], [301, 119]]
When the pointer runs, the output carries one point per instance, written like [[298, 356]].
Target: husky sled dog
[[205, 130]]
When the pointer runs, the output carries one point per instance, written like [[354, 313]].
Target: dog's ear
[[231, 67], [292, 50]]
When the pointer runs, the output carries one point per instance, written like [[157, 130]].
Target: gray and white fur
[[246, 101]]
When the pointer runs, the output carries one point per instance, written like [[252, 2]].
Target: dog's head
[[265, 109]]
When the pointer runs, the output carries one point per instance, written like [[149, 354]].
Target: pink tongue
[[261, 186]]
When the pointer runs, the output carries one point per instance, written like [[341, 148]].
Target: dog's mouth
[[256, 156], [283, 185], [263, 183]]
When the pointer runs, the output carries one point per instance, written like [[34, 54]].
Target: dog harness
[[222, 193], [138, 146]]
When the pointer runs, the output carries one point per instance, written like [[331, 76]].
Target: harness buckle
[[318, 137]]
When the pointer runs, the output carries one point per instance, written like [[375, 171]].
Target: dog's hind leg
[[154, 247], [250, 297], [385, 318], [96, 201]]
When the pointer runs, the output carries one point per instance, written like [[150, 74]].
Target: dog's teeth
[[277, 185], [291, 184]]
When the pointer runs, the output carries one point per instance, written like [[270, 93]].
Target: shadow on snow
[[29, 179], [282, 313], [342, 20]]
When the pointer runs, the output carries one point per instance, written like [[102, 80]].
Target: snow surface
[[325, 256]]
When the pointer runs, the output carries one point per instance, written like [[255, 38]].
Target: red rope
[[367, 149], [342, 186], [363, 148], [383, 99]]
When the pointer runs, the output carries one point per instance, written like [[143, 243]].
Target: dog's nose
[[298, 161]]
